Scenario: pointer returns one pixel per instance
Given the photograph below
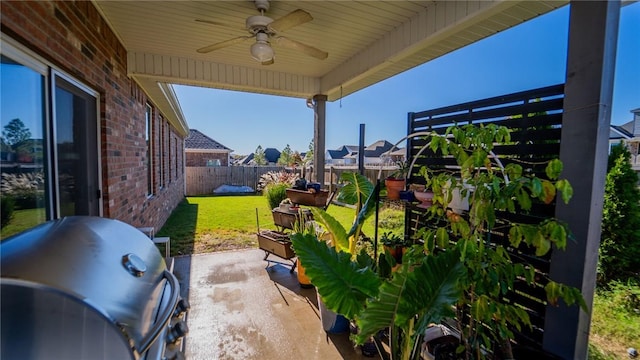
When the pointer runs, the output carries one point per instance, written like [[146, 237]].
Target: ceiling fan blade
[[292, 19], [295, 45], [223, 44]]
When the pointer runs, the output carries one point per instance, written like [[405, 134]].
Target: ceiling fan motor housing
[[258, 23]]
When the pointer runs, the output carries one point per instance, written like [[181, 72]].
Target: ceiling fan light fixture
[[261, 50]]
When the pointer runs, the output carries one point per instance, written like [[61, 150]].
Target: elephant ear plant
[[420, 292]]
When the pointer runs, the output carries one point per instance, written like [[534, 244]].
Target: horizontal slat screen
[[534, 118]]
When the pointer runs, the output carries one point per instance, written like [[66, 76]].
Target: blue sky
[[528, 56]]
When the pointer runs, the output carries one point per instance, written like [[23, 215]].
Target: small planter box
[[288, 219], [318, 199], [275, 243]]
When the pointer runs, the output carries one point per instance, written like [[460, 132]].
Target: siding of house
[[73, 37]]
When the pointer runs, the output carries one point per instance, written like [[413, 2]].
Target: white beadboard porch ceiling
[[367, 42]]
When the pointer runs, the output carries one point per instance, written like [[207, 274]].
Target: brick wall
[[200, 158], [73, 37]]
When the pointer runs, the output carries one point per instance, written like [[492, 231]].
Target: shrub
[[26, 189], [6, 209], [620, 239], [277, 177], [275, 193]]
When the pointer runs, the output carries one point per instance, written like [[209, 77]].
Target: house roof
[[377, 148], [620, 132], [199, 141], [272, 155], [247, 159]]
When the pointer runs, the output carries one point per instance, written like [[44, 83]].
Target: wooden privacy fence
[[203, 180]]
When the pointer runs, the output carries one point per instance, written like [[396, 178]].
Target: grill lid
[[107, 263]]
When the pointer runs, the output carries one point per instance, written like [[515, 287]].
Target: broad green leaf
[[357, 188], [553, 169], [513, 171], [337, 231], [442, 237], [367, 210], [536, 187], [515, 236], [427, 290], [548, 192], [523, 199], [544, 245], [342, 284], [565, 189], [558, 235]]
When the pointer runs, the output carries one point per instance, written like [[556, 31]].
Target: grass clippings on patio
[[216, 223]]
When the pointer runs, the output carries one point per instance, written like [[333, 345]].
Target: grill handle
[[164, 318]]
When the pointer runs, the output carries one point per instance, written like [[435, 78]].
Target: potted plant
[[423, 192], [395, 244], [458, 263], [396, 182], [358, 191]]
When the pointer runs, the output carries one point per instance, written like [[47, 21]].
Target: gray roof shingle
[[198, 140]]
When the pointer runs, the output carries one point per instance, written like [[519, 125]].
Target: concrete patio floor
[[242, 309]]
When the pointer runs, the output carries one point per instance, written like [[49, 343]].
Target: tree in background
[[286, 156], [308, 157], [15, 132], [620, 240], [258, 156]]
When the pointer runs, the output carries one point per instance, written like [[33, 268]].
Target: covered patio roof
[[366, 42]]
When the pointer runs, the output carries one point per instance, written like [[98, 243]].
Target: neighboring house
[[112, 150], [272, 155], [247, 160], [380, 152], [373, 154], [629, 134], [342, 155], [201, 150]]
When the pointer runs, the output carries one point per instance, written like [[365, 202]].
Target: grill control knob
[[181, 307], [180, 329]]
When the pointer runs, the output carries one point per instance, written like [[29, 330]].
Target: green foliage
[[15, 132], [620, 239], [490, 272], [275, 193], [358, 191], [6, 209], [286, 156], [420, 292], [402, 171], [393, 240], [616, 318], [343, 284], [259, 157], [27, 189]]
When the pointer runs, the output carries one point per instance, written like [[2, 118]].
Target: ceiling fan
[[266, 31]]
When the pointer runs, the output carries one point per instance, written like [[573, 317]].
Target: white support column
[[319, 129], [593, 34]]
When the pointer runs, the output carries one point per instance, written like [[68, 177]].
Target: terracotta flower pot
[[394, 186]]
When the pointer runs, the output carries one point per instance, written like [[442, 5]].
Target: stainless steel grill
[[88, 288]]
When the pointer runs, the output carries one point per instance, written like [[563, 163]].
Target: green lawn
[[615, 325], [214, 223], [22, 220]]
